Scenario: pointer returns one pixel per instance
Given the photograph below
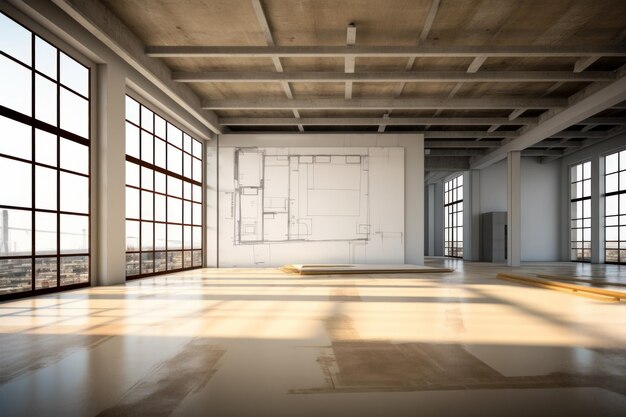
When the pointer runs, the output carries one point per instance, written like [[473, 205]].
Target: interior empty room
[[312, 208]]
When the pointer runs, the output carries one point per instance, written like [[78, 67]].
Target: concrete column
[[211, 203], [111, 177], [430, 226], [514, 209], [471, 215], [438, 219], [597, 210]]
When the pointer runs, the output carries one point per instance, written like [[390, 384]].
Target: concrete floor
[[257, 342]]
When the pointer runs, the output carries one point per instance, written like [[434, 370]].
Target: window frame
[[34, 124], [585, 216], [451, 247], [621, 240]]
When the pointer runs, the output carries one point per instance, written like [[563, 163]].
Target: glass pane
[[132, 174], [132, 235], [147, 143], [16, 183], [197, 214], [187, 212], [74, 75], [197, 258], [610, 205], [45, 148], [15, 232], [15, 40], [187, 259], [147, 119], [147, 178], [132, 140], [159, 207], [174, 237], [15, 275], [45, 100], [159, 182], [45, 233], [187, 143], [15, 86], [159, 126], [147, 205], [159, 236], [197, 237], [74, 233], [187, 237], [159, 153], [611, 183], [174, 187], [174, 260], [197, 149], [147, 263], [15, 138], [45, 58], [611, 162], [132, 264], [174, 210], [45, 273], [174, 135], [74, 114], [197, 193], [187, 190], [147, 236], [160, 261], [74, 270], [74, 193], [197, 170], [187, 165], [132, 203], [174, 159], [132, 111], [45, 188], [74, 156]]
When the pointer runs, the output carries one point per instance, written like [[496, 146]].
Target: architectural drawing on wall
[[292, 197], [281, 205]]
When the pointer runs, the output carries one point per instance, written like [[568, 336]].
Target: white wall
[[540, 205], [413, 174]]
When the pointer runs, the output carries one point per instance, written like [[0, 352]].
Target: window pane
[[187, 238], [74, 75], [132, 140], [187, 165], [159, 153], [147, 178], [197, 149], [174, 159], [159, 236], [45, 233], [15, 275], [159, 126], [132, 264], [160, 261], [15, 86], [174, 135], [174, 186], [45, 273], [74, 156], [187, 212], [147, 205], [74, 233], [45, 100], [159, 207], [74, 114], [611, 162], [45, 58], [147, 236], [15, 40], [132, 203], [159, 182], [197, 214], [132, 110], [17, 191], [174, 210], [147, 263], [174, 237], [611, 183], [45, 188], [15, 138], [197, 237], [132, 174], [74, 270], [45, 148], [74, 193], [197, 258], [15, 232], [197, 170], [147, 143], [132, 235], [147, 119]]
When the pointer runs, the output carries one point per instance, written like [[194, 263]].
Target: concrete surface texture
[[258, 342]]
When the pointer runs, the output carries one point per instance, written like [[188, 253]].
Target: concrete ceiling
[[593, 27]]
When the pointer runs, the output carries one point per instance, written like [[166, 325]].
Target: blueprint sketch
[[314, 205]]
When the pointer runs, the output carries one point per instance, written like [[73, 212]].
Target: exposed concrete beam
[[584, 104], [516, 113], [620, 130], [583, 63], [389, 76], [399, 103], [368, 121], [455, 152], [349, 61], [470, 144], [447, 163], [427, 51], [269, 39], [111, 31]]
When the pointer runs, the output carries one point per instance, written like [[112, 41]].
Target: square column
[[471, 215], [514, 209], [597, 211]]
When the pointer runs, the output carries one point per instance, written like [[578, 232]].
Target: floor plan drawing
[[274, 198]]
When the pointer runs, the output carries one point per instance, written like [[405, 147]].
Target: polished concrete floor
[[258, 342]]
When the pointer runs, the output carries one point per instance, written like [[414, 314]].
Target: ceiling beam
[[476, 64], [470, 144], [391, 76], [584, 104], [398, 103], [269, 39], [583, 63], [447, 163], [585, 144], [426, 51], [349, 61], [368, 121], [105, 26]]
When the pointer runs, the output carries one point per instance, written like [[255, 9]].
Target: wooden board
[[323, 269]]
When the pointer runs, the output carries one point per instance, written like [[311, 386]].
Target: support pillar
[[431, 220], [110, 181], [471, 215], [514, 206], [597, 211]]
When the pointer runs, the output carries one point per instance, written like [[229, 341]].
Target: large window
[[580, 212], [615, 207], [453, 221], [163, 195], [44, 165]]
